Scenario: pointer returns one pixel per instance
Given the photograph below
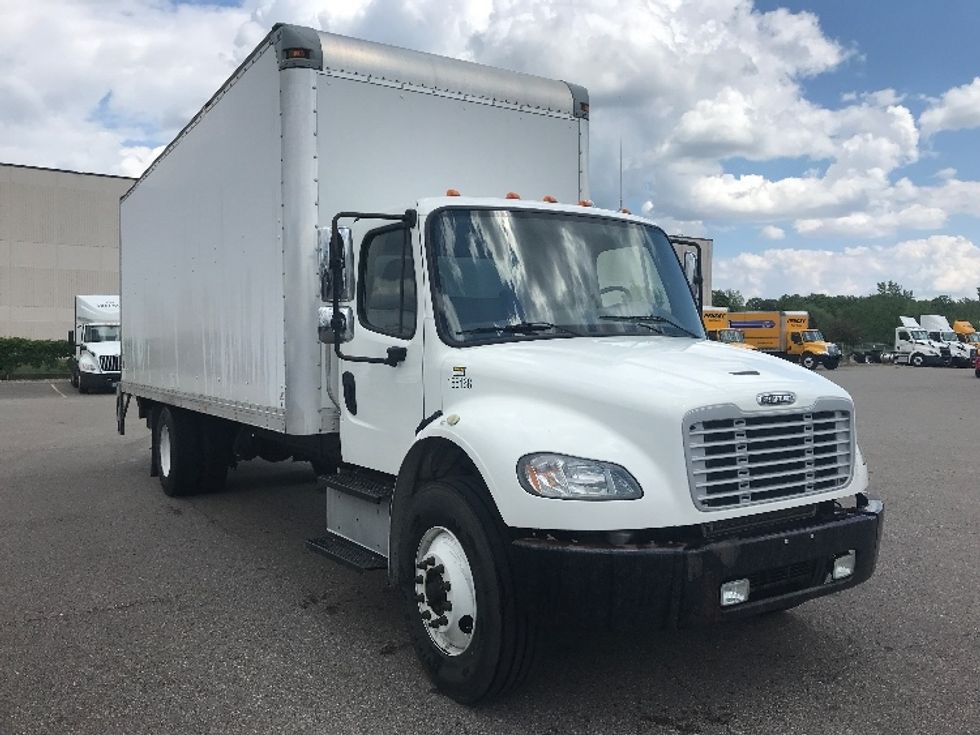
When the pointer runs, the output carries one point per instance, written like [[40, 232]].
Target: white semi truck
[[913, 346], [938, 329], [95, 343], [510, 400]]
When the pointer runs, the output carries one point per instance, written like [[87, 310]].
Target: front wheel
[[808, 361], [917, 360], [831, 364], [469, 629]]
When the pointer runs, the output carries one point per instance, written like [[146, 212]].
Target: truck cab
[[811, 348], [913, 347], [716, 328], [95, 363], [942, 334]]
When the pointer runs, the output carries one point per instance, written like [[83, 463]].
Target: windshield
[[917, 334], [812, 335], [948, 336], [730, 335], [504, 275], [973, 337], [102, 333]]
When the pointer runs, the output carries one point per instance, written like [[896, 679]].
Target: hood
[[669, 375], [821, 347], [100, 349]]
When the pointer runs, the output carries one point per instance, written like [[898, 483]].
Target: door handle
[[396, 355]]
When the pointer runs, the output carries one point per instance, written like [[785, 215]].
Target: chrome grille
[[109, 363], [744, 459]]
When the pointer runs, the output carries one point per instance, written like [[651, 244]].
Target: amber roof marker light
[[297, 53]]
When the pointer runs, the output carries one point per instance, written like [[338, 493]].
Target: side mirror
[[325, 324], [692, 271], [71, 337], [346, 286]]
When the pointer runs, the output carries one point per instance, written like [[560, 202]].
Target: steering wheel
[[627, 296]]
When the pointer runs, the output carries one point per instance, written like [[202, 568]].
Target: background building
[[59, 236]]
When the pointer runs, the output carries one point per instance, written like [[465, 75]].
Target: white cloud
[[687, 87], [959, 108], [940, 264], [771, 232]]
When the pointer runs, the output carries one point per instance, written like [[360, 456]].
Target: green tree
[[728, 297]]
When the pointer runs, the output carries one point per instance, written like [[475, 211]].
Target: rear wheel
[[831, 364], [471, 633], [191, 456]]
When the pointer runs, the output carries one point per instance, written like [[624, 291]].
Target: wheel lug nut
[[426, 615], [441, 620], [419, 579]]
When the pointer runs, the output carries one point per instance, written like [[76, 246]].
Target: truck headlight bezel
[[556, 476], [88, 364]]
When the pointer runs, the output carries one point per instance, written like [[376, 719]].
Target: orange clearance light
[[624, 210], [452, 192], [585, 203], [297, 53], [550, 199], [512, 195]]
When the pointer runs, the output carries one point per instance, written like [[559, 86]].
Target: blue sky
[[823, 145]]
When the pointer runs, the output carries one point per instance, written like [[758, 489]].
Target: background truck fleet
[[384, 263]]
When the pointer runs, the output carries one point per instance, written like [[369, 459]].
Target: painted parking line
[[56, 390]]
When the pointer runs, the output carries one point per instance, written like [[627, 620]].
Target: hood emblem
[[783, 398]]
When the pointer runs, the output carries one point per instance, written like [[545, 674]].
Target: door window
[[386, 283]]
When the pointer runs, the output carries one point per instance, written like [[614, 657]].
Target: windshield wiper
[[520, 328], [649, 321]]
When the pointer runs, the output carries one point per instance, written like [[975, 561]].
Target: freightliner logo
[[776, 399]]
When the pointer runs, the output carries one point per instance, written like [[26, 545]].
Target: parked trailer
[[511, 401]]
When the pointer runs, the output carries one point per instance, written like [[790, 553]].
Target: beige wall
[[59, 236]]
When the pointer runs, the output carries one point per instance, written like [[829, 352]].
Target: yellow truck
[[967, 334], [786, 334], [716, 327]]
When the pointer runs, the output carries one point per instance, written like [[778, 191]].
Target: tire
[[917, 360], [179, 452], [74, 378], [977, 373], [831, 364], [868, 359], [808, 361], [494, 655]]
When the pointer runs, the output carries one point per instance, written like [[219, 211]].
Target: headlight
[[559, 476], [88, 364]]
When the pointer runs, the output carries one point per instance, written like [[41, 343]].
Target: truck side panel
[[202, 260], [419, 144]]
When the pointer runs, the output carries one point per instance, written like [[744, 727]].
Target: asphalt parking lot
[[124, 611]]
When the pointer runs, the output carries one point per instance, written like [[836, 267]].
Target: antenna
[[620, 173]]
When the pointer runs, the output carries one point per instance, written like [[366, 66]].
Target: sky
[[824, 146]]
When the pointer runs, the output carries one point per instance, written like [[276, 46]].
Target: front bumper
[[98, 381], [677, 584]]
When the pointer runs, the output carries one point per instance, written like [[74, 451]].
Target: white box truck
[[510, 400], [95, 343]]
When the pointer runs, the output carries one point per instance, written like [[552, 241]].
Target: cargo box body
[[219, 255]]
